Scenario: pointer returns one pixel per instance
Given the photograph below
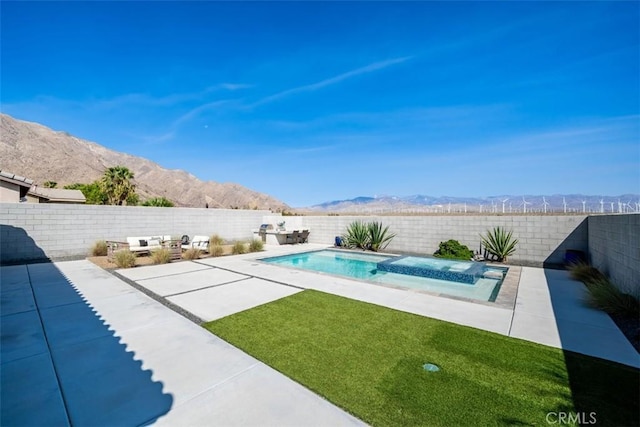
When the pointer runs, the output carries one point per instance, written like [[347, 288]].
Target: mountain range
[[42, 154], [569, 203]]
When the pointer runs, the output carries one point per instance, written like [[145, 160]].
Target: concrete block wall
[[614, 249], [34, 231], [542, 239]]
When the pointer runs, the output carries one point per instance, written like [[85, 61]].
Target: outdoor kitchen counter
[[275, 237]]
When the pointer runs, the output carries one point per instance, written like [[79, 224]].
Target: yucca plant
[[99, 248], [500, 243], [357, 235], [379, 237], [124, 259]]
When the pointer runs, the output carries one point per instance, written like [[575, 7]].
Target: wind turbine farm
[[494, 205]]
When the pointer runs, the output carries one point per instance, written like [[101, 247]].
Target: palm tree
[[117, 184]]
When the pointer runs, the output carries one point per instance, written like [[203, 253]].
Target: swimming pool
[[371, 268]]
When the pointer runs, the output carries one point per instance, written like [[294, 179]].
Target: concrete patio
[[81, 346], [549, 307]]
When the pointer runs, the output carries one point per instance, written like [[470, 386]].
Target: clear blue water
[[363, 266], [436, 263], [354, 265]]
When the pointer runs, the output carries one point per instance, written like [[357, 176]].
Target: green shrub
[[585, 273], [99, 248], [606, 297], [124, 259], [191, 254], [239, 248], [357, 235], [160, 202], [256, 245], [161, 256], [452, 249], [216, 240], [216, 250], [500, 243], [379, 238]]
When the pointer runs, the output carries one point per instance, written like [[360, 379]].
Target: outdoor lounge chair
[[198, 242]]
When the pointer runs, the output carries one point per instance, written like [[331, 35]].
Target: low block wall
[[614, 249], [543, 240], [29, 231], [34, 231]]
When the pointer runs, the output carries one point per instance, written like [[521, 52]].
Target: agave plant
[[500, 243], [357, 235], [379, 237]]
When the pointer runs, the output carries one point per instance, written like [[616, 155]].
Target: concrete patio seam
[[165, 302], [208, 287], [209, 267], [251, 276], [224, 381], [49, 351]]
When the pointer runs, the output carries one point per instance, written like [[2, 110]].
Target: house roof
[[57, 194], [15, 179]]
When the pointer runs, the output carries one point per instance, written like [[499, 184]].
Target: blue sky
[[314, 101]]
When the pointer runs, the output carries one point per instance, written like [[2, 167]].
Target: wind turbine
[[601, 206], [544, 204], [584, 206], [524, 205], [503, 202], [564, 204], [612, 207], [480, 207]]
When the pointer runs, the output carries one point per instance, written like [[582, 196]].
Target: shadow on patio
[[603, 391], [61, 365]]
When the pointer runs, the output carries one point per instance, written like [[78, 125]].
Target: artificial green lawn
[[368, 360]]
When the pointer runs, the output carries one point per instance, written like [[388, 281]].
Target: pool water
[[436, 263], [364, 266]]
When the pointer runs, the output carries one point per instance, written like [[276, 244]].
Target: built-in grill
[[263, 231]]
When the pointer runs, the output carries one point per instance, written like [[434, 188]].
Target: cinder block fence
[[33, 231], [59, 231]]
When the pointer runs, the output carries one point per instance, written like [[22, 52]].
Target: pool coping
[[506, 298]]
